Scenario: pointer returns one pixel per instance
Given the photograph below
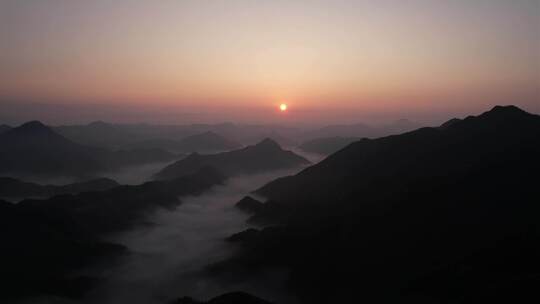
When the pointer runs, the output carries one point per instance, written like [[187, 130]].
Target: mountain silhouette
[[34, 148], [98, 134], [50, 238], [265, 156], [446, 213]]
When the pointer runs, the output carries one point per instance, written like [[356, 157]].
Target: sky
[[174, 61]]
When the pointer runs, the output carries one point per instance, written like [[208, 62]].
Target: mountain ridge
[[446, 213], [264, 156]]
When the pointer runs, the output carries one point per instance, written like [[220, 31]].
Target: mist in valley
[[168, 258]]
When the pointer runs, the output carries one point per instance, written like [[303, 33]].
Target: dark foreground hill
[[35, 149], [264, 156], [436, 215], [44, 241]]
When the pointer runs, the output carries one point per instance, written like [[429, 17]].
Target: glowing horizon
[[326, 56]]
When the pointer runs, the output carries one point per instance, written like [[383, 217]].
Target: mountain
[[46, 240], [34, 148], [327, 145], [98, 134], [120, 207], [446, 215], [14, 188], [249, 205], [265, 156], [39, 250]]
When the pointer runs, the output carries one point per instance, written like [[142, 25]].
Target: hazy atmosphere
[[208, 61], [269, 152]]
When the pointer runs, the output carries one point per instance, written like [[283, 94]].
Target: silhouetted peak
[[33, 127], [268, 143], [498, 115], [505, 112], [450, 123]]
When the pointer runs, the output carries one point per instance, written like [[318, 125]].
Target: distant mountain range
[[204, 136], [167, 137], [36, 149], [264, 156], [360, 130], [14, 188], [327, 145], [446, 214], [206, 142]]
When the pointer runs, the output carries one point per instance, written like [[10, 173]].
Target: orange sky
[[245, 57]]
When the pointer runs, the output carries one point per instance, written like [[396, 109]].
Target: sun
[[283, 107]]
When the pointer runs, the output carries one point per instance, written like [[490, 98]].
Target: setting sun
[[283, 107]]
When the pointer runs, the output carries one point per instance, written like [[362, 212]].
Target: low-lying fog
[[168, 258]]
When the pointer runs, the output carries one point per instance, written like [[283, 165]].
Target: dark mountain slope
[[446, 215], [123, 206], [492, 137], [44, 241], [264, 156], [38, 250], [34, 148]]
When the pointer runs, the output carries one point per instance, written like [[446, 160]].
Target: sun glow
[[283, 107]]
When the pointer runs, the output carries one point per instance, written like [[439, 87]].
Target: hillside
[[447, 213], [35, 149], [267, 155]]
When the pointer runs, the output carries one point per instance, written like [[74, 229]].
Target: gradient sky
[[237, 60]]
